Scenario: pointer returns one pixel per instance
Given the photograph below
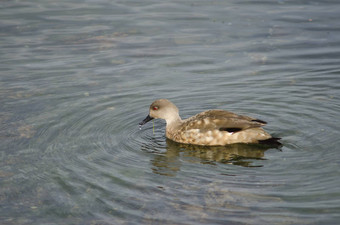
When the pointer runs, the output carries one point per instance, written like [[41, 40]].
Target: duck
[[209, 128]]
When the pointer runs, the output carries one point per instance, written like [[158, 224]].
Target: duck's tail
[[271, 141]]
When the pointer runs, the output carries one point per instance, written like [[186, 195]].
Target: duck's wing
[[221, 120]]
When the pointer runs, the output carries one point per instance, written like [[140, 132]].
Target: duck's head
[[162, 109]]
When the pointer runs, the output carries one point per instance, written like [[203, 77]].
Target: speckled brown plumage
[[212, 127]]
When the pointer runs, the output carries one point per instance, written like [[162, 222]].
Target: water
[[77, 77]]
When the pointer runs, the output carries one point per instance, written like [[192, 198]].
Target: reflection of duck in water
[[169, 162], [209, 128], [233, 154]]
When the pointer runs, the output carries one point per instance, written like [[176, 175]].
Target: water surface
[[77, 77]]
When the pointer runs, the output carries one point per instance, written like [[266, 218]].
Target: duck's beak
[[147, 119]]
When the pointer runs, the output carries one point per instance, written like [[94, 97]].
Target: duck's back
[[221, 120]]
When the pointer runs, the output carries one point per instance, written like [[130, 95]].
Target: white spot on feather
[[209, 139], [206, 121]]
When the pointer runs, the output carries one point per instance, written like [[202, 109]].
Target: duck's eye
[[155, 108]]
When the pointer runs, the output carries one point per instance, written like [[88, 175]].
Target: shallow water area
[[78, 77]]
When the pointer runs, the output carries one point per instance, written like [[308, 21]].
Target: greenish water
[[77, 77]]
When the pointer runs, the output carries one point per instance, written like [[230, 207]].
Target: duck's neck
[[173, 122]]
